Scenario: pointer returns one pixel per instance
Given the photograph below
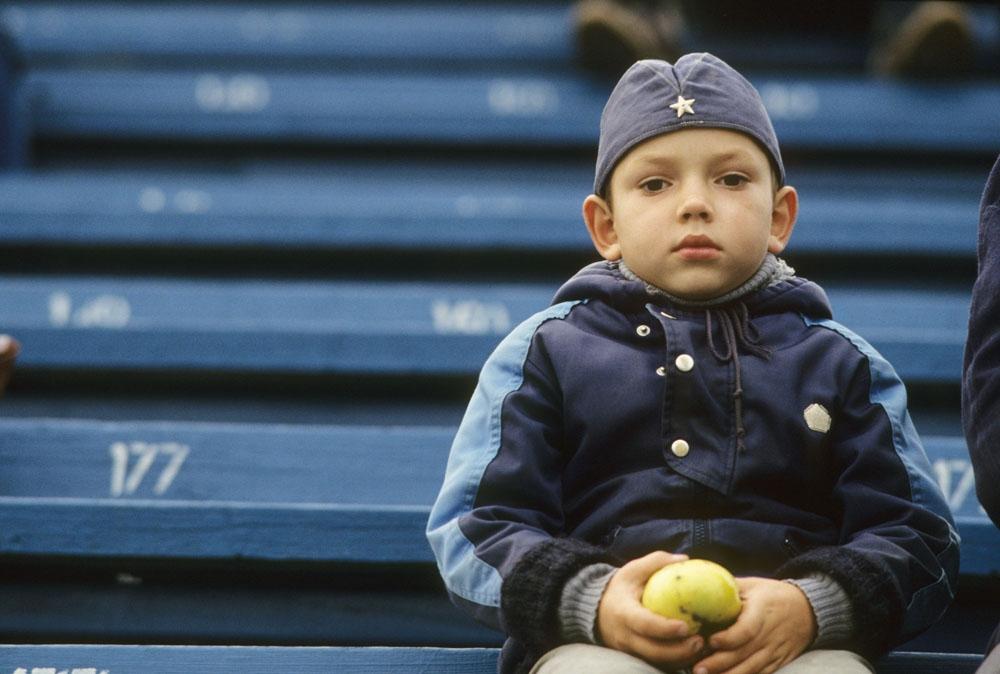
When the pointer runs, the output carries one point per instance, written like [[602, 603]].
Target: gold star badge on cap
[[683, 105]]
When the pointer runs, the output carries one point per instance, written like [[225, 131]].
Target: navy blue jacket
[[569, 454], [981, 383]]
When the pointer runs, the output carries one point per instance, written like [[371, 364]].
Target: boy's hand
[[624, 624], [775, 626]]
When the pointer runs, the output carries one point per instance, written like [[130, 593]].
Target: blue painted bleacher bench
[[273, 492], [128, 499], [455, 207], [537, 34], [531, 33], [375, 327], [262, 660], [469, 108]]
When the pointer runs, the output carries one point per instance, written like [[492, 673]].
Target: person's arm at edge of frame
[[981, 377]]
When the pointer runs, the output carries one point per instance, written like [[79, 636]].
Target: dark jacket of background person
[[981, 383], [981, 380]]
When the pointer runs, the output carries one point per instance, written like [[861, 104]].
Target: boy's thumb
[[644, 567]]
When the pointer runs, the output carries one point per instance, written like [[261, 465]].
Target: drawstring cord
[[737, 330]]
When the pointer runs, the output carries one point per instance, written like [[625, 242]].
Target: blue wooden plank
[[99, 659], [249, 463], [377, 327], [508, 108], [212, 530], [133, 606], [259, 405], [980, 546], [99, 489], [508, 32], [389, 465], [243, 659], [381, 31], [454, 208]]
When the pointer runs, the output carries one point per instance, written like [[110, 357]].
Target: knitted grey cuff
[[830, 605], [579, 601]]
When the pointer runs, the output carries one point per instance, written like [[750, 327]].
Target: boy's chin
[[697, 292]]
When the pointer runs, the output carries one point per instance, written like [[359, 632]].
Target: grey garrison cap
[[699, 90]]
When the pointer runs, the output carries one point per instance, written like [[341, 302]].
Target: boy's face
[[693, 212]]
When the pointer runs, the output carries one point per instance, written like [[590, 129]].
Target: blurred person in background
[[981, 378], [9, 348], [907, 39]]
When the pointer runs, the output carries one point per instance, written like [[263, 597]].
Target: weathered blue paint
[[264, 660], [375, 327]]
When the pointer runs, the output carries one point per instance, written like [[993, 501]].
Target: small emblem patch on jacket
[[817, 418]]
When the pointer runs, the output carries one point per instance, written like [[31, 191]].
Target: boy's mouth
[[697, 247]]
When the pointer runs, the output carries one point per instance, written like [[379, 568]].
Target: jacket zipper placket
[[700, 534]]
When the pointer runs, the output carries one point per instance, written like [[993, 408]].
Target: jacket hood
[[604, 281]]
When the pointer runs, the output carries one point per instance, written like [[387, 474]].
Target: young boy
[[691, 394]]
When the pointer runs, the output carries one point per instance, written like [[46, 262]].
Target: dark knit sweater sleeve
[[875, 596], [532, 592], [981, 381]]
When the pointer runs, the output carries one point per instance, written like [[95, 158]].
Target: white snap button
[[817, 418], [684, 362], [680, 448], [643, 331], [662, 371]]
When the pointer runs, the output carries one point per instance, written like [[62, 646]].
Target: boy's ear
[[786, 209], [601, 226]]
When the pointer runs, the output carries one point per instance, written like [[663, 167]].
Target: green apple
[[701, 593]]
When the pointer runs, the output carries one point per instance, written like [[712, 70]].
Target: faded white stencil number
[[957, 480], [104, 311], [469, 317], [131, 463]]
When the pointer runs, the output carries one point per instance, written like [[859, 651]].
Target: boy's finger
[[672, 653], [644, 567], [733, 662], [732, 638], [654, 626]]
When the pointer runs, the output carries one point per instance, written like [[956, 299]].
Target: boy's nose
[[695, 207]]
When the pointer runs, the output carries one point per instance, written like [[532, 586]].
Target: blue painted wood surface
[[249, 660], [243, 660], [385, 465], [205, 531], [269, 492], [510, 32], [188, 462], [512, 108], [376, 327], [539, 33], [131, 605], [457, 207]]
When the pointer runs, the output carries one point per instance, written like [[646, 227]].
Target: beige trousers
[[588, 659], [992, 663]]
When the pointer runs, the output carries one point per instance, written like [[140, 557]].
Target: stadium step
[[376, 327], [496, 207], [250, 660]]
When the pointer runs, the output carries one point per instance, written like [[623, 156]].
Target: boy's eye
[[654, 185], [734, 180]]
